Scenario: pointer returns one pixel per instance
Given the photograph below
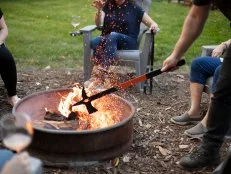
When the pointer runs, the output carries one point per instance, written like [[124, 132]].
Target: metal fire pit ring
[[64, 148]]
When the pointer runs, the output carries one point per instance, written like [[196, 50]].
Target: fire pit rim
[[54, 131]]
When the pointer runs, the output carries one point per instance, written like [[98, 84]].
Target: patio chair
[[137, 58]]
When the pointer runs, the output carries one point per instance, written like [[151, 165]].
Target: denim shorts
[[204, 67]]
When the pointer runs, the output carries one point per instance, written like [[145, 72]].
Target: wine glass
[[75, 21], [17, 131]]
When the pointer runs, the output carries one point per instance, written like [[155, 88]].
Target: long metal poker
[[87, 100]]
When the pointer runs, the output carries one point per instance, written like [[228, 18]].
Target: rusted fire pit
[[59, 147]]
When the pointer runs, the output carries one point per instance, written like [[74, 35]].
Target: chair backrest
[[144, 4]]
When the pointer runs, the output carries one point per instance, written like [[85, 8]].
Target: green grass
[[39, 31], [170, 18]]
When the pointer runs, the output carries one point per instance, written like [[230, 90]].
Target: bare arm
[[192, 28], [99, 15], [147, 20], [3, 30]]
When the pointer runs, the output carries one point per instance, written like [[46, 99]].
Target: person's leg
[[219, 118], [201, 69], [8, 73], [196, 90], [105, 47], [98, 45], [198, 130], [113, 42], [213, 88]]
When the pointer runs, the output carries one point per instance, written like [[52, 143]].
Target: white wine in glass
[[17, 131], [17, 141], [75, 21]]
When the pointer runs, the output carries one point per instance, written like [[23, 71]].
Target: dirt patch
[[156, 146]]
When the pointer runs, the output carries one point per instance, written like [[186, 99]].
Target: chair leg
[[139, 86], [87, 68], [87, 63]]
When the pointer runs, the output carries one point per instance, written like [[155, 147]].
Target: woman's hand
[[99, 15], [217, 52], [98, 4], [154, 28]]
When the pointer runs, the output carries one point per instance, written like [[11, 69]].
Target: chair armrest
[[207, 50], [84, 30], [89, 28]]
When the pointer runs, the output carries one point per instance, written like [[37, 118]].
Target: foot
[[185, 119], [200, 158], [13, 100], [196, 131]]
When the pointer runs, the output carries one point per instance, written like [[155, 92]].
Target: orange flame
[[104, 117]]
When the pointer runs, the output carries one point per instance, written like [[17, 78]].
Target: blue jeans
[[204, 67], [104, 47], [8, 70], [5, 155]]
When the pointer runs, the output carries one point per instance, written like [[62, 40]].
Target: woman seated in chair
[[201, 69], [121, 26]]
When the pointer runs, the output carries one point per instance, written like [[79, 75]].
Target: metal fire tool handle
[[87, 100]]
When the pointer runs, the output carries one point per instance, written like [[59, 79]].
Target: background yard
[[39, 31]]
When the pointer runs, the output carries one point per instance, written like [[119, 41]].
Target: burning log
[[67, 116], [57, 125], [51, 116], [54, 120]]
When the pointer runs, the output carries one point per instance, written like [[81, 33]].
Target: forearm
[[147, 20], [192, 28], [99, 16]]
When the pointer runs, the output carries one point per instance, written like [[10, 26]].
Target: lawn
[[39, 31]]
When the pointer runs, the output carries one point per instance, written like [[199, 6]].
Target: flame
[[104, 117]]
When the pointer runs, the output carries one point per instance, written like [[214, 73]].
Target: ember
[[102, 135], [103, 118]]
